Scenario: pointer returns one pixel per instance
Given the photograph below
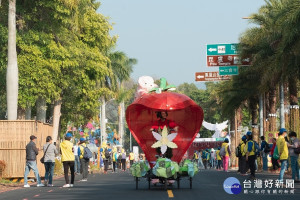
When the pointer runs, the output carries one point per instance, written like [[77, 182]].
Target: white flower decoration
[[164, 140]]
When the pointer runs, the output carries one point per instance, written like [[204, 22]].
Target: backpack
[[297, 150], [267, 148], [256, 148], [238, 151], [222, 151], [276, 154], [120, 157], [123, 156], [106, 153], [87, 154]]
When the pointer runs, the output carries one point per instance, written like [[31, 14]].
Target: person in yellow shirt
[[250, 154], [283, 151], [219, 159], [244, 167], [131, 158], [225, 145], [195, 157], [68, 159], [115, 159]]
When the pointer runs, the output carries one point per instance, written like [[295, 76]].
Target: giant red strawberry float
[[141, 115]]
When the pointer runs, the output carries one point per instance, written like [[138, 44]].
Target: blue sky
[[169, 37]]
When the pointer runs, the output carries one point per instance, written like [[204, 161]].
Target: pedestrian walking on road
[[250, 154], [265, 149], [205, 157], [226, 147], [294, 143], [123, 160], [283, 152], [84, 163], [219, 159], [119, 160], [50, 152], [212, 158], [200, 162], [77, 160], [274, 161], [244, 164], [31, 152], [115, 159], [68, 159], [106, 157], [131, 158]]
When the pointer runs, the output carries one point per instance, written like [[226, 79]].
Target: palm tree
[[122, 67], [12, 79]]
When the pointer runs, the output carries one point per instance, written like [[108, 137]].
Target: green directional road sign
[[221, 49], [233, 70]]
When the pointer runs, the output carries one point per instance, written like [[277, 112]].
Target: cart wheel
[[166, 184], [136, 183], [149, 182], [191, 182], [178, 182]]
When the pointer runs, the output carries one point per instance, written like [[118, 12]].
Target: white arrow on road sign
[[199, 76], [212, 49]]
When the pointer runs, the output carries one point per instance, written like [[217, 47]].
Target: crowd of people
[[283, 153], [75, 158]]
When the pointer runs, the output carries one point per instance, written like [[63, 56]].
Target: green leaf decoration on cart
[[188, 168], [163, 87], [139, 169]]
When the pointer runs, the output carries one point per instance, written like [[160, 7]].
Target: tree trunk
[[233, 125], [254, 117], [121, 123], [41, 110], [28, 112], [103, 120], [21, 113], [12, 74], [266, 112], [294, 107], [56, 118], [272, 114]]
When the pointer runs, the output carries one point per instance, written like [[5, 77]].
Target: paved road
[[206, 185]]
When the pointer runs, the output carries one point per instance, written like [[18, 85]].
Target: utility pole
[[103, 118]]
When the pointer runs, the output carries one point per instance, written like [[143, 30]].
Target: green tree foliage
[[62, 50], [208, 100]]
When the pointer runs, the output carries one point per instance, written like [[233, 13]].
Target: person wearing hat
[[68, 159], [244, 167], [293, 144], [225, 145], [250, 154], [219, 159], [282, 151], [31, 152], [84, 163]]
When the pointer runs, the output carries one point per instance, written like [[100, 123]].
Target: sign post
[[210, 76], [232, 70]]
